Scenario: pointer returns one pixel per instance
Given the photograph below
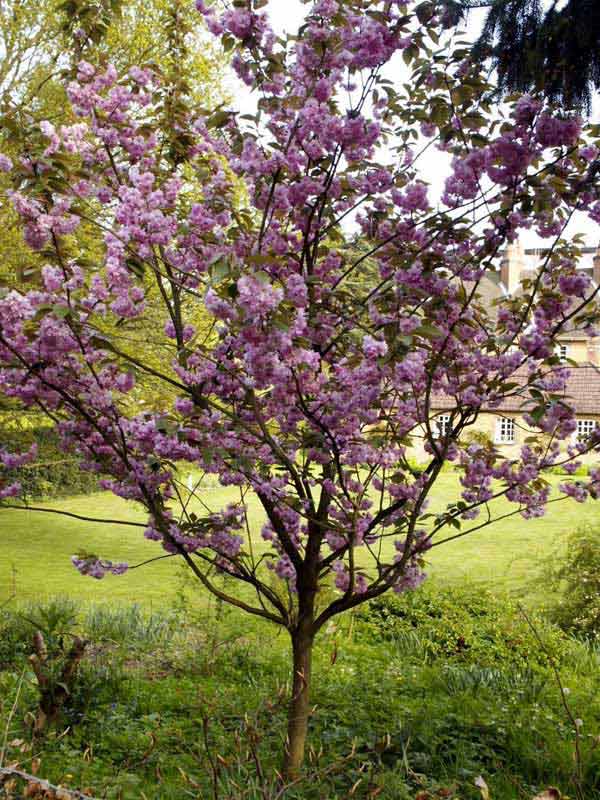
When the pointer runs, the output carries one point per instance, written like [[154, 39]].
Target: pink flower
[[555, 132], [85, 71], [345, 318], [373, 348]]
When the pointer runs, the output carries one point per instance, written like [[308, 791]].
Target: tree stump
[[54, 689]]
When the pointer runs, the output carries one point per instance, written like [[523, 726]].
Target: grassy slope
[[35, 548]]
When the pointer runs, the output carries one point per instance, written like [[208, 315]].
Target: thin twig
[[4, 604], [578, 776], [11, 714], [74, 516]]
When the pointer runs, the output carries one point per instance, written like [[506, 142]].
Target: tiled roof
[[571, 334], [582, 392], [583, 389]]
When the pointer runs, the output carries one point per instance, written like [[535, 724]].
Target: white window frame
[[585, 428], [440, 426], [506, 431], [562, 351]]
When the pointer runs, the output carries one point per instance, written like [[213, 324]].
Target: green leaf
[[429, 331], [259, 259], [219, 270], [219, 119], [61, 311]]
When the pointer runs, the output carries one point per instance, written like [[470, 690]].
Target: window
[[585, 428], [505, 430], [563, 351], [441, 426]]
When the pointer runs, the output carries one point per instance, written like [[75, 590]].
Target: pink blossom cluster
[[97, 568]]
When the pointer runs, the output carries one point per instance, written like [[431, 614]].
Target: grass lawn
[[35, 548]]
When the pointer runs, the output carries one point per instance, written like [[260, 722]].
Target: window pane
[[505, 430], [585, 428], [442, 425]]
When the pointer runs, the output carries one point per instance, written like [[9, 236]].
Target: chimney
[[596, 267], [513, 266]]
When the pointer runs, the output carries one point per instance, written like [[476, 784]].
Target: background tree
[[548, 48], [41, 43], [325, 357]]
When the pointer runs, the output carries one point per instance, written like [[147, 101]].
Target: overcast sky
[[287, 15]]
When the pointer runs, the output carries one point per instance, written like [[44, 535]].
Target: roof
[[570, 334], [582, 392], [583, 388]]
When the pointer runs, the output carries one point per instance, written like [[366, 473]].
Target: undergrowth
[[417, 696]]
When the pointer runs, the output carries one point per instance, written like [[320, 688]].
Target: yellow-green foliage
[[464, 626], [37, 38], [575, 577]]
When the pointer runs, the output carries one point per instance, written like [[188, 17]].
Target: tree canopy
[[41, 43], [548, 48]]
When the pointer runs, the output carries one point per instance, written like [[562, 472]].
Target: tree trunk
[[299, 709]]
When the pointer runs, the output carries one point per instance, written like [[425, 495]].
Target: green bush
[[129, 624], [575, 577], [400, 712], [53, 473], [15, 639], [55, 619], [469, 626]]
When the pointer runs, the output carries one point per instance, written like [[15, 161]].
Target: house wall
[[486, 425], [517, 263], [583, 351]]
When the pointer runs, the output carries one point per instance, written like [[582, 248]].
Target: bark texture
[[299, 710]]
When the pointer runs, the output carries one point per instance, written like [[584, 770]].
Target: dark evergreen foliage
[[553, 50]]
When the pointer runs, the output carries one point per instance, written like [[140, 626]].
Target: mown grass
[[35, 548]]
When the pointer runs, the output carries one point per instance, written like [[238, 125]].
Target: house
[[505, 425], [518, 263]]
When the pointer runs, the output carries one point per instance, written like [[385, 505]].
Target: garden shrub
[[99, 678], [130, 624], [575, 577], [56, 619], [53, 473], [15, 638], [463, 625]]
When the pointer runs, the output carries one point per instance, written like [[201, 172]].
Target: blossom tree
[[345, 302]]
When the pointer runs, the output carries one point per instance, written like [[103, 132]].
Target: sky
[[287, 15]]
